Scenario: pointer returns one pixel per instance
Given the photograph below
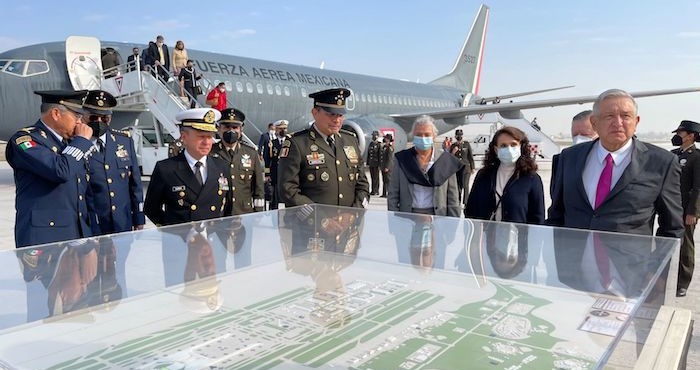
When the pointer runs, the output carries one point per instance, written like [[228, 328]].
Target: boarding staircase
[[541, 145]]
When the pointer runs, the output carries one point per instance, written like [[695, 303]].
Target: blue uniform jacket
[[51, 181], [116, 186], [523, 198]]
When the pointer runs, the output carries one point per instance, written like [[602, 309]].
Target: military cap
[[202, 119], [99, 102], [688, 126], [281, 123], [232, 115], [72, 100], [459, 132], [331, 100]]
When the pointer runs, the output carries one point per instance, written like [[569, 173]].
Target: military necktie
[[198, 172], [331, 143]]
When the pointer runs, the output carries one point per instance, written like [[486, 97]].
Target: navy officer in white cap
[[191, 186], [323, 163]]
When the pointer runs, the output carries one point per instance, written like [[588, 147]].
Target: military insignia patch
[[311, 177], [313, 147], [315, 158], [287, 144], [27, 144], [210, 117], [683, 161], [121, 152], [325, 176], [55, 150], [223, 183], [284, 153], [178, 188], [351, 153], [180, 202], [43, 134], [246, 161], [23, 139]]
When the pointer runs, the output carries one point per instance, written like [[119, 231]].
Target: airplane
[[267, 91]]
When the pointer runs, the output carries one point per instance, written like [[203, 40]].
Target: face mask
[[422, 143], [509, 154], [222, 89], [458, 138], [676, 140], [230, 137], [578, 139], [98, 128]]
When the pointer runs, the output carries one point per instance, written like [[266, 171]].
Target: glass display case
[[332, 287]]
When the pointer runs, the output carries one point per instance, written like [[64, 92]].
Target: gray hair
[[612, 93], [46, 107], [425, 120], [581, 115]]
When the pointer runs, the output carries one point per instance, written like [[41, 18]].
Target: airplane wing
[[497, 99], [473, 109]]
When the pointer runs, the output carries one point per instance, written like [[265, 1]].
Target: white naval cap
[[281, 123], [203, 119]]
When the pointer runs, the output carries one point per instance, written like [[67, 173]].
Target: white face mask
[[222, 89], [272, 132], [578, 139], [509, 155]]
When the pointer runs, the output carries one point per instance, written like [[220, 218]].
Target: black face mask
[[98, 128], [459, 138], [676, 140], [230, 137]]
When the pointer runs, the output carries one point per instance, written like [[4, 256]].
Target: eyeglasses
[[78, 116], [104, 119]]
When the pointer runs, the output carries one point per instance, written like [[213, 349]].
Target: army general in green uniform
[[246, 167], [323, 164]]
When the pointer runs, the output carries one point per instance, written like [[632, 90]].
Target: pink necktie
[[604, 182]]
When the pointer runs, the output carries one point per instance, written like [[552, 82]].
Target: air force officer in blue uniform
[[49, 160], [115, 179]]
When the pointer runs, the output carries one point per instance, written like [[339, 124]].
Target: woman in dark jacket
[[508, 187]]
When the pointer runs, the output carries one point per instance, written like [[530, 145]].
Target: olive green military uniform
[[689, 160], [463, 151], [247, 175], [309, 171]]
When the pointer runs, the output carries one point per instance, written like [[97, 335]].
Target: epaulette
[[126, 133], [249, 145], [342, 131], [28, 129], [302, 132]]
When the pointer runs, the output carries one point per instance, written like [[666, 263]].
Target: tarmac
[[691, 301]]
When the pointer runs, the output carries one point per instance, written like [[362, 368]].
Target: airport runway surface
[[692, 301]]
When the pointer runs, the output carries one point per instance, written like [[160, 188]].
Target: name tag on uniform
[[351, 153], [315, 158], [178, 188]]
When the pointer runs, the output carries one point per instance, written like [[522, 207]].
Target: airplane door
[[84, 62]]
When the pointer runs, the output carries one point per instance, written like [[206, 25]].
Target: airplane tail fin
[[467, 69]]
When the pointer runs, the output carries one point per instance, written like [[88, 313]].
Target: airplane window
[[239, 86], [260, 88], [395, 100], [286, 91], [35, 67], [362, 97], [374, 98], [303, 93], [270, 90], [2, 63], [382, 99], [15, 67], [249, 87], [278, 90]]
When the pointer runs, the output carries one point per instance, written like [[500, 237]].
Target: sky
[[594, 45]]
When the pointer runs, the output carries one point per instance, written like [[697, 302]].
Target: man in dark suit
[[131, 61], [581, 131], [50, 171], [246, 169], [323, 163], [387, 163], [191, 186], [617, 183], [265, 151], [115, 178], [158, 53], [689, 158]]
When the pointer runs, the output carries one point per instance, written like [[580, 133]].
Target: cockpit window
[[36, 67], [24, 68], [15, 67]]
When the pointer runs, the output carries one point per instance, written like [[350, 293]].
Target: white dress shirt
[[596, 162], [203, 169], [504, 173]]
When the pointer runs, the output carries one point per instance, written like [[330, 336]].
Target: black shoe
[[383, 196], [681, 292]]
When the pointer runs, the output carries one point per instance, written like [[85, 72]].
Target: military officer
[[115, 178], [374, 153], [246, 167], [323, 164], [191, 186], [463, 151], [687, 133], [50, 172], [276, 147], [387, 162]]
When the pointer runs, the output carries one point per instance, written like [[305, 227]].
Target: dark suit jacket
[[522, 202], [650, 185], [689, 160], [174, 196], [265, 151], [154, 55], [131, 58]]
